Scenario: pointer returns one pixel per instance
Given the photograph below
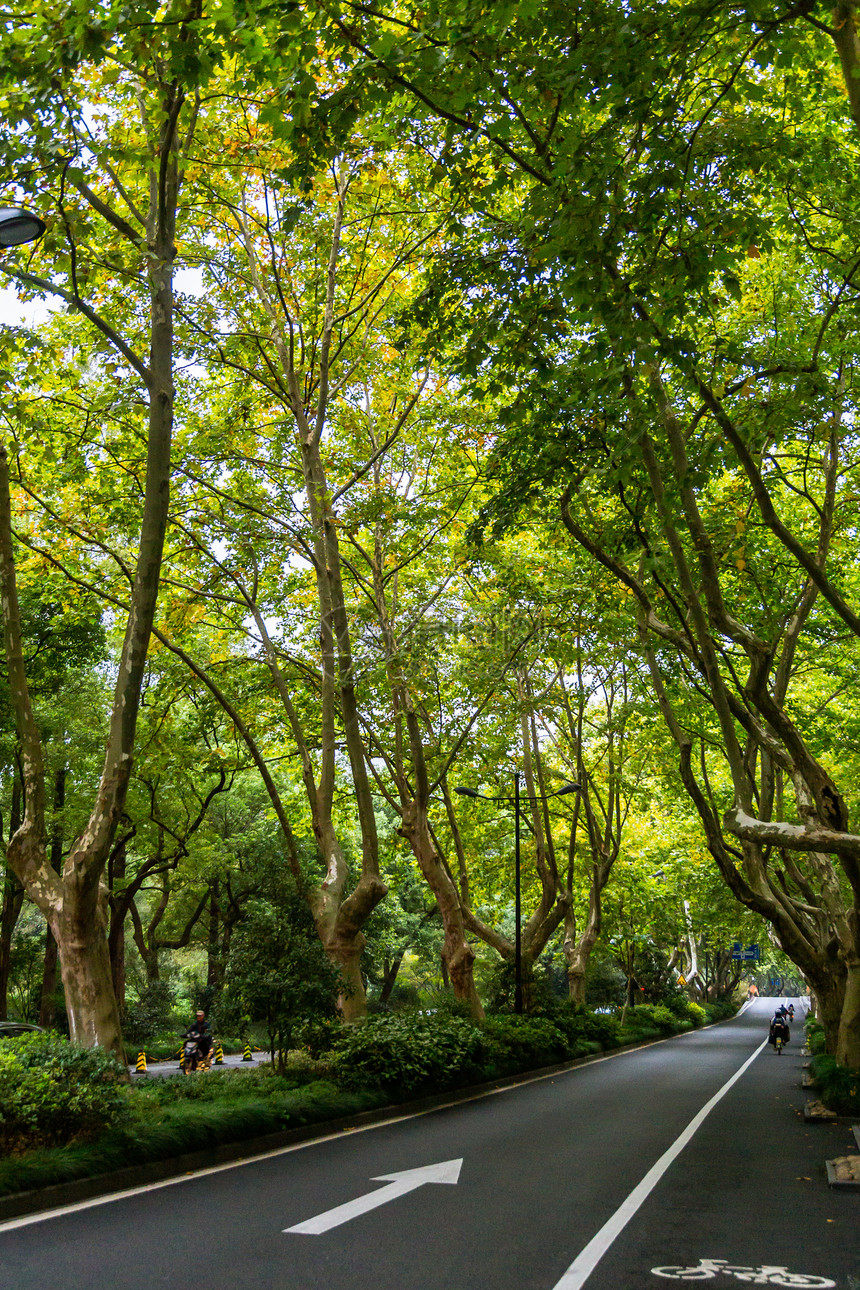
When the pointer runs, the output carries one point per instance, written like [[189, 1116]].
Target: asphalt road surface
[[163, 1070], [687, 1154]]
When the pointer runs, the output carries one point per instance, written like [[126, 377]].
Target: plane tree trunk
[[51, 959], [13, 899]]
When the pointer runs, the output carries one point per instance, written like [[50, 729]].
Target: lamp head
[[567, 788], [465, 792], [18, 226]]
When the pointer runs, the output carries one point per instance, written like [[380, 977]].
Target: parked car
[[9, 1029]]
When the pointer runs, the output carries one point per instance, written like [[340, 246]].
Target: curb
[[60, 1194], [817, 1113], [835, 1176]]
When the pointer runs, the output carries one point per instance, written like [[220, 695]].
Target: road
[[591, 1177], [232, 1061]]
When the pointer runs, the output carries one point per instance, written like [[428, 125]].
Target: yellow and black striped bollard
[[140, 1068], [219, 1055], [246, 1056]]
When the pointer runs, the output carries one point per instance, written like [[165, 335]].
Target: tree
[[64, 646], [311, 288], [279, 973], [115, 192], [669, 290], [186, 760]]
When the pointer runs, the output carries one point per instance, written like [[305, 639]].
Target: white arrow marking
[[447, 1171]]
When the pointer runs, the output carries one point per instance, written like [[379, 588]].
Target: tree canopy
[[428, 394]]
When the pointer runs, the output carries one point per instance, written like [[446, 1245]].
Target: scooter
[[779, 1037], [193, 1058]]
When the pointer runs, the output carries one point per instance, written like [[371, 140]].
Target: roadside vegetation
[[73, 1113], [428, 546], [838, 1087]]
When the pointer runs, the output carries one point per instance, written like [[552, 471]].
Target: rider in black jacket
[[779, 1028], [201, 1031]]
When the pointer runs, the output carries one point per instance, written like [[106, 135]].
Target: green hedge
[[654, 1016], [513, 1043], [717, 1011], [233, 1085], [583, 1027], [52, 1092], [815, 1040], [408, 1052], [152, 1133], [373, 1062], [168, 1047]]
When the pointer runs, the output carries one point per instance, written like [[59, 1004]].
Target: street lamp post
[[515, 800]]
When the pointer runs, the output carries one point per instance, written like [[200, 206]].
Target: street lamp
[[518, 943], [18, 226]]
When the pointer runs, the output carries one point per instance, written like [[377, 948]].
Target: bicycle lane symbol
[[766, 1275]]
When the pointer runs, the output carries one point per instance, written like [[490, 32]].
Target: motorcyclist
[[201, 1032], [779, 1028]]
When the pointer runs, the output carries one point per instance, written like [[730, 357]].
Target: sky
[[18, 313]]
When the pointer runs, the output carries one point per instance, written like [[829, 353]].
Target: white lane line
[[44, 1215], [585, 1262]]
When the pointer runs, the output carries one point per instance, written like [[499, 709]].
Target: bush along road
[[681, 1160], [80, 1119]]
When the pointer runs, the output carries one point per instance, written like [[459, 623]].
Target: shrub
[[278, 971], [151, 1015], [161, 1048], [675, 999], [229, 1086], [538, 996], [520, 1042], [579, 1024], [605, 983], [404, 995], [161, 1128], [815, 1040], [652, 1016], [838, 1086], [720, 1010], [407, 1052], [168, 1046], [318, 1035], [52, 1093], [696, 1013]]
